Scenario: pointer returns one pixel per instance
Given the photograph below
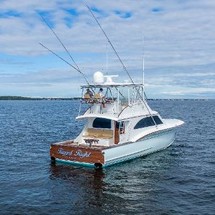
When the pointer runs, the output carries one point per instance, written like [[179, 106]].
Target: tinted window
[[101, 123], [157, 120], [146, 122]]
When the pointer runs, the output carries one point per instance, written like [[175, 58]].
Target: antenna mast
[[143, 68], [107, 60]]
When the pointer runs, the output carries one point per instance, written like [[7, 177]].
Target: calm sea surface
[[178, 180]]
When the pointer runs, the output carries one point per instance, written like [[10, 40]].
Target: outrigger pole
[[54, 53], [74, 67], [124, 67], [120, 60]]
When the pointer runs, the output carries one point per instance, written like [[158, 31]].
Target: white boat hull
[[69, 152], [149, 144]]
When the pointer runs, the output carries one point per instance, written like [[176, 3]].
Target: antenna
[[143, 68], [107, 60]]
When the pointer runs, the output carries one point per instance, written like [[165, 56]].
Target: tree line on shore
[[30, 98]]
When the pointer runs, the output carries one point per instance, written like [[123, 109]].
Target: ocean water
[[178, 180]]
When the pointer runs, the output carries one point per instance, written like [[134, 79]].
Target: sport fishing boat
[[119, 126]]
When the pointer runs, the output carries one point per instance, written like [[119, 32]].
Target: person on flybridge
[[101, 93], [100, 96], [88, 94], [89, 97]]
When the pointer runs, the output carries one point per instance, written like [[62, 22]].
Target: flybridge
[[112, 100], [105, 90]]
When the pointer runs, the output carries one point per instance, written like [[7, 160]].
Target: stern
[[77, 154]]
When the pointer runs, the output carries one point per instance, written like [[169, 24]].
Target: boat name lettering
[[81, 154], [63, 152]]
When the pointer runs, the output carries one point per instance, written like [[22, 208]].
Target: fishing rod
[[59, 40], [124, 67], [54, 53], [76, 67], [120, 60]]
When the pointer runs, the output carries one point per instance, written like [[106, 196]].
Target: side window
[[101, 123], [145, 122], [157, 120]]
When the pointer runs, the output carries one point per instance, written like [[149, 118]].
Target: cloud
[[178, 41]]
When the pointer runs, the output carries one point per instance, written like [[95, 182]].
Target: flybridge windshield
[[123, 93], [104, 89]]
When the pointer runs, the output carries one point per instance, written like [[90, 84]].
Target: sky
[[176, 39]]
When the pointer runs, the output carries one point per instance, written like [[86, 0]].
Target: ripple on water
[[178, 180]]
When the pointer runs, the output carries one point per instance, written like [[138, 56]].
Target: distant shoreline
[[78, 98], [32, 98]]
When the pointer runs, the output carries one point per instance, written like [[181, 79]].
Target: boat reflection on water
[[71, 173], [119, 189], [78, 184]]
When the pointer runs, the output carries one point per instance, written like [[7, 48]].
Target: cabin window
[[146, 122], [102, 123], [157, 120]]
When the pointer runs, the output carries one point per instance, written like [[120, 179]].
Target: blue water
[[178, 180]]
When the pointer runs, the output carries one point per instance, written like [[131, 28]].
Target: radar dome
[[98, 78]]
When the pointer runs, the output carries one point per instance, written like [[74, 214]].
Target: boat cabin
[[113, 112]]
